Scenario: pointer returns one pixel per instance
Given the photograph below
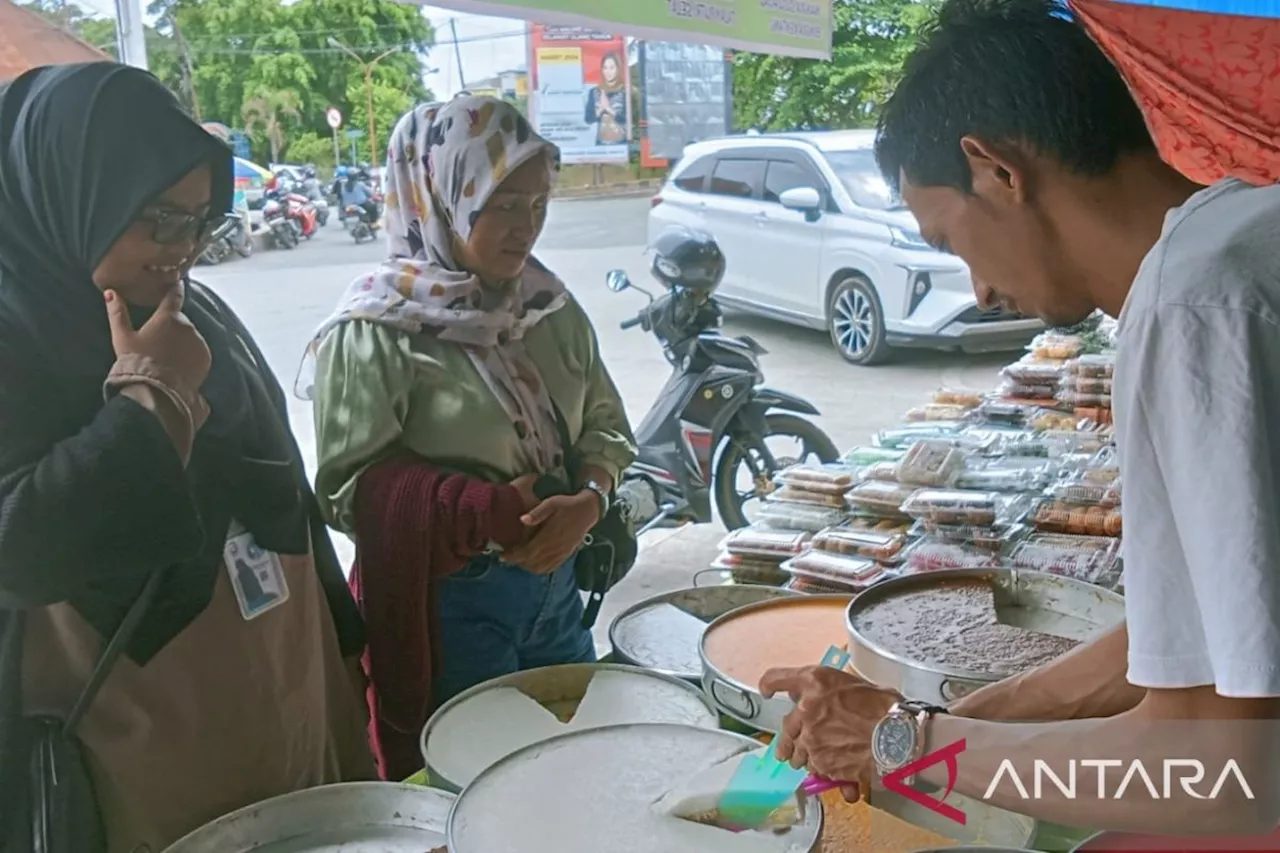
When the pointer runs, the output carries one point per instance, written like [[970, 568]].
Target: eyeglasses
[[175, 226]]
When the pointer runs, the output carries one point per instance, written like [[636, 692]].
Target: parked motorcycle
[[232, 238], [359, 223], [711, 420], [284, 231], [299, 209], [322, 211]]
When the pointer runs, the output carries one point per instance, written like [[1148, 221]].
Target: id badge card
[[256, 574]]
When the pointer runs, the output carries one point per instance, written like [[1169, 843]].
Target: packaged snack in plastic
[[954, 397], [954, 506], [1057, 346], [878, 524], [1021, 391], [860, 456], [1055, 516], [868, 544], [784, 515], [938, 412], [828, 479], [903, 437], [879, 471], [1004, 412], [807, 496], [765, 543], [929, 555], [1086, 558], [931, 463], [834, 568], [1087, 385], [1096, 414], [812, 586], [728, 561], [992, 540], [1082, 400], [1064, 442], [1098, 366], [1048, 419], [877, 497], [1004, 478], [1032, 372], [1082, 488]]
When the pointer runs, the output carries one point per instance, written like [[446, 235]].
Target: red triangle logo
[[894, 781]]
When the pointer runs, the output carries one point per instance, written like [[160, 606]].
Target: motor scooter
[[232, 238], [711, 421], [357, 220], [284, 231], [299, 209]]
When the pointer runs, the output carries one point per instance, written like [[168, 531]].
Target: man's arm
[[1087, 682]]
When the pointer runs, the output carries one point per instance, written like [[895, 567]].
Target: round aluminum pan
[[644, 643], [989, 829], [737, 700], [384, 816], [559, 689], [1044, 602], [572, 800]]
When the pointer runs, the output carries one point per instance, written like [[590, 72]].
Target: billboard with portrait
[[581, 93]]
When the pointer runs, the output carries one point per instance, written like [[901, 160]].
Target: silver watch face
[[893, 742]]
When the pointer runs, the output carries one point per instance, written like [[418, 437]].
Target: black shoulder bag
[[609, 550], [58, 810]]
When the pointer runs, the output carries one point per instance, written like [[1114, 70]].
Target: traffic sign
[[354, 133], [333, 117]]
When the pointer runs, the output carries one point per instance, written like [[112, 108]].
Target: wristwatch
[[603, 494], [899, 738]]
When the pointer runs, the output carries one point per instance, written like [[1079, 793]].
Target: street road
[[284, 295]]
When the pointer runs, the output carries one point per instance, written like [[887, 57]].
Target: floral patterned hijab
[[444, 163]]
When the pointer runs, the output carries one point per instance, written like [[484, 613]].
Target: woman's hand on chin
[[558, 527]]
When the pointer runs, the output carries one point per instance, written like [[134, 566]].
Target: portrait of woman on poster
[[607, 103]]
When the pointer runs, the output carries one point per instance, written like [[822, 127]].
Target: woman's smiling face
[[609, 68]]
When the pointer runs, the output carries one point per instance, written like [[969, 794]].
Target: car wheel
[[856, 322]]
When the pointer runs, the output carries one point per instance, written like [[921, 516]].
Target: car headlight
[[904, 239]]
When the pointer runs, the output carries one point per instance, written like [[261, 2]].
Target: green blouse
[[378, 389]]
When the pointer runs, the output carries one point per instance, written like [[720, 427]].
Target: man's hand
[[558, 524], [830, 730], [167, 338]]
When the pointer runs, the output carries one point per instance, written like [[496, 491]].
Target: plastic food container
[[1000, 478], [938, 412], [954, 397], [1004, 412], [878, 524], [854, 572], [1098, 366], [1054, 346], [887, 471], [929, 555], [1063, 442], [1034, 372], [1084, 489], [835, 480], [991, 540], [812, 586], [1055, 516], [931, 463], [1087, 385], [1086, 558], [1048, 419], [860, 456], [785, 515], [868, 544], [756, 542], [1022, 391], [1081, 400], [905, 436], [807, 496], [878, 497], [954, 506]]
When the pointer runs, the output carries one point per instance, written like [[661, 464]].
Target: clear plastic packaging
[[860, 456], [955, 397], [887, 471], [877, 497], [1048, 419], [903, 437], [991, 540], [1004, 478], [1081, 400], [812, 586], [1098, 366], [954, 506], [806, 496], [739, 563], [1055, 516], [931, 463], [1009, 390], [929, 555], [1087, 385], [827, 479], [1064, 442], [938, 412], [765, 543], [1004, 412], [1032, 372], [1056, 346], [786, 515], [1086, 558], [1085, 488], [868, 544], [834, 568], [1029, 447], [879, 524]]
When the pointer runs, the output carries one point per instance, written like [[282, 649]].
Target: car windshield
[[860, 175]]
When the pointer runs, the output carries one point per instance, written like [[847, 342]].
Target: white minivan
[[813, 236]]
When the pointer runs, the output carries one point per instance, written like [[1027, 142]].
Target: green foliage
[[872, 38], [310, 147], [268, 115]]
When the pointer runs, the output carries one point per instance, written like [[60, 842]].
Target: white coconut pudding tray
[[484, 725]]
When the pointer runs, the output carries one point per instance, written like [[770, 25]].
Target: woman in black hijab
[[141, 432]]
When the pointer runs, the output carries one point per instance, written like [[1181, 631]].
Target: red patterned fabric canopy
[[1208, 83]]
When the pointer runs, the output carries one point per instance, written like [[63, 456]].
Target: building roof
[[28, 40]]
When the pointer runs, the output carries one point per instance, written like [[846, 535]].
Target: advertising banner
[[687, 95], [784, 27], [581, 93]]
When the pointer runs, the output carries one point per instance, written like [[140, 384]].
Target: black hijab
[[84, 149]]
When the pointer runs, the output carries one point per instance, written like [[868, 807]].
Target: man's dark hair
[[1006, 71]]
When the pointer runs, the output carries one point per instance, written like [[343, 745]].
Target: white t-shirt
[[1197, 410]]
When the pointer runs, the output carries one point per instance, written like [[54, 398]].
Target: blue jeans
[[497, 619]]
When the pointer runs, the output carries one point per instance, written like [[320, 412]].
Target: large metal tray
[[356, 817], [987, 827], [633, 645], [1034, 600]]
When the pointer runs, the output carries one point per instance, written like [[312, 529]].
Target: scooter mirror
[[617, 280]]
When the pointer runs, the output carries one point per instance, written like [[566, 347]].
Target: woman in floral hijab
[[464, 350]]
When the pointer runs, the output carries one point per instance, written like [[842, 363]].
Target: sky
[[488, 46]]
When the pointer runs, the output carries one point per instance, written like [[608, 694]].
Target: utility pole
[[457, 52], [130, 36], [188, 72], [368, 89]]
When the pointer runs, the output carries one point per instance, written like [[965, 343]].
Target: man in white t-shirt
[[1018, 147]]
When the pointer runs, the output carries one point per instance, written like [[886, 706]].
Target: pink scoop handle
[[815, 785]]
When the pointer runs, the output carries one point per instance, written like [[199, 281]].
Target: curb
[[627, 189]]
